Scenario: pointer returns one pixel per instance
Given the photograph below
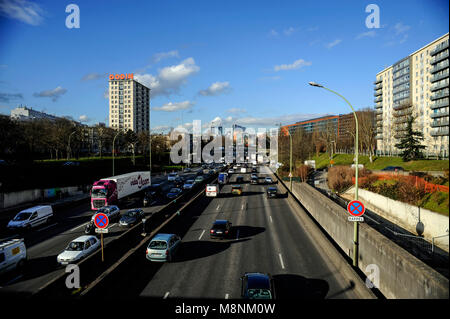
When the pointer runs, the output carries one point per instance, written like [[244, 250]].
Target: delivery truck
[[223, 178], [110, 190]]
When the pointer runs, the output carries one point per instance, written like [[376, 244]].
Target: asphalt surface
[[267, 236], [44, 243]]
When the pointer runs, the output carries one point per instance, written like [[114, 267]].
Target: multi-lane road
[[46, 242]]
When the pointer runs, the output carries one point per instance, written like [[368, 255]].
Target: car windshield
[[131, 214], [174, 190], [219, 226], [172, 174], [158, 244], [98, 193], [259, 294], [22, 216], [189, 181], [75, 246]]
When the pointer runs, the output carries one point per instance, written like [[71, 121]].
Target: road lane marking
[[237, 235], [281, 260], [270, 217], [47, 227], [226, 296], [201, 234], [166, 295], [82, 225], [218, 206]]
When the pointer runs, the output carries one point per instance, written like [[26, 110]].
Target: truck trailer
[[110, 190]]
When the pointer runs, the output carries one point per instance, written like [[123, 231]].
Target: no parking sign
[[356, 209]]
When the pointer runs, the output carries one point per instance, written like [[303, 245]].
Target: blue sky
[[245, 62]]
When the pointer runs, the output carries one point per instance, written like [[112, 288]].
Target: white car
[[230, 171], [268, 180], [13, 254], [171, 177], [77, 249], [31, 217]]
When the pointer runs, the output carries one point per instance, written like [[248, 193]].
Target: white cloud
[[273, 33], [55, 94], [289, 31], [296, 65], [401, 28], [269, 121], [172, 107], [236, 110], [368, 34], [160, 128], [22, 10], [334, 43], [164, 55], [169, 79], [215, 89], [84, 118]]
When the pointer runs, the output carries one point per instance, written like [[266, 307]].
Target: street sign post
[[101, 221], [356, 209]]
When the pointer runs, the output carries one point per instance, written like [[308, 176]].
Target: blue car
[[174, 193], [162, 247]]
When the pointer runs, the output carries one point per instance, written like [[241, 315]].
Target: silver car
[[162, 247]]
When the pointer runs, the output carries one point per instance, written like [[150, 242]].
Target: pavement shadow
[[289, 286], [227, 195], [246, 231]]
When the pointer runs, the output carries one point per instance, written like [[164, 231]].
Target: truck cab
[[102, 194]]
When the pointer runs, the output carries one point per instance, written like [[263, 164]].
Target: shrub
[[304, 171], [410, 192], [340, 178]]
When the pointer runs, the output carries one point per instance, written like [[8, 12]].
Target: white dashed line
[[281, 261], [166, 295], [201, 234], [237, 235], [218, 206], [270, 217], [47, 227], [226, 296]]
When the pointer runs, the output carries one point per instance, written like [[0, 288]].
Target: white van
[[31, 217], [13, 254], [212, 190]]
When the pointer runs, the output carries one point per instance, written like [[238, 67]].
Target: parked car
[[257, 286], [393, 169], [188, 184], [78, 249], [13, 255], [31, 217], [162, 247], [131, 217], [272, 192], [268, 180], [171, 177], [221, 228], [112, 211], [240, 179], [174, 193], [236, 189], [254, 180]]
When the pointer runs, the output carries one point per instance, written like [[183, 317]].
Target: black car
[[254, 170], [151, 193], [131, 217], [240, 179], [393, 168], [272, 192], [254, 180], [257, 286], [178, 182], [220, 229]]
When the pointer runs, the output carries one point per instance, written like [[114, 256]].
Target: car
[[272, 192], [254, 180], [178, 182], [189, 184], [13, 255], [174, 193], [151, 193], [199, 179], [236, 189], [112, 211], [240, 179], [187, 170], [254, 175], [31, 217], [71, 164], [230, 171], [393, 169], [78, 249], [268, 180], [254, 170], [162, 247], [257, 286], [131, 217], [221, 228], [171, 177]]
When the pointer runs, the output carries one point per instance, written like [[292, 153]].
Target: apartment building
[[129, 105], [417, 85]]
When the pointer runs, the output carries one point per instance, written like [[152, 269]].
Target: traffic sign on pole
[[101, 220], [102, 230], [356, 208]]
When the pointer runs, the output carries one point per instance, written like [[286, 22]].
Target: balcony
[[379, 105], [402, 106], [379, 112], [436, 59], [378, 93], [400, 120], [438, 77], [439, 48], [378, 99], [439, 95], [437, 105], [439, 123], [438, 67], [440, 132], [379, 129], [378, 86], [379, 137], [438, 86], [380, 124], [405, 112], [439, 114], [378, 81], [399, 135]]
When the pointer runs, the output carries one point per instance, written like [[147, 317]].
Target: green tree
[[411, 142]]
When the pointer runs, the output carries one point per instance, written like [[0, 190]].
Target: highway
[[268, 236], [46, 242]]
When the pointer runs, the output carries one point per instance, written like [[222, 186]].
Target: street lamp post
[[68, 146], [113, 150], [356, 225], [290, 161]]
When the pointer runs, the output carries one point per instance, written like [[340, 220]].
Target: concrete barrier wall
[[407, 216], [401, 275], [31, 195]]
